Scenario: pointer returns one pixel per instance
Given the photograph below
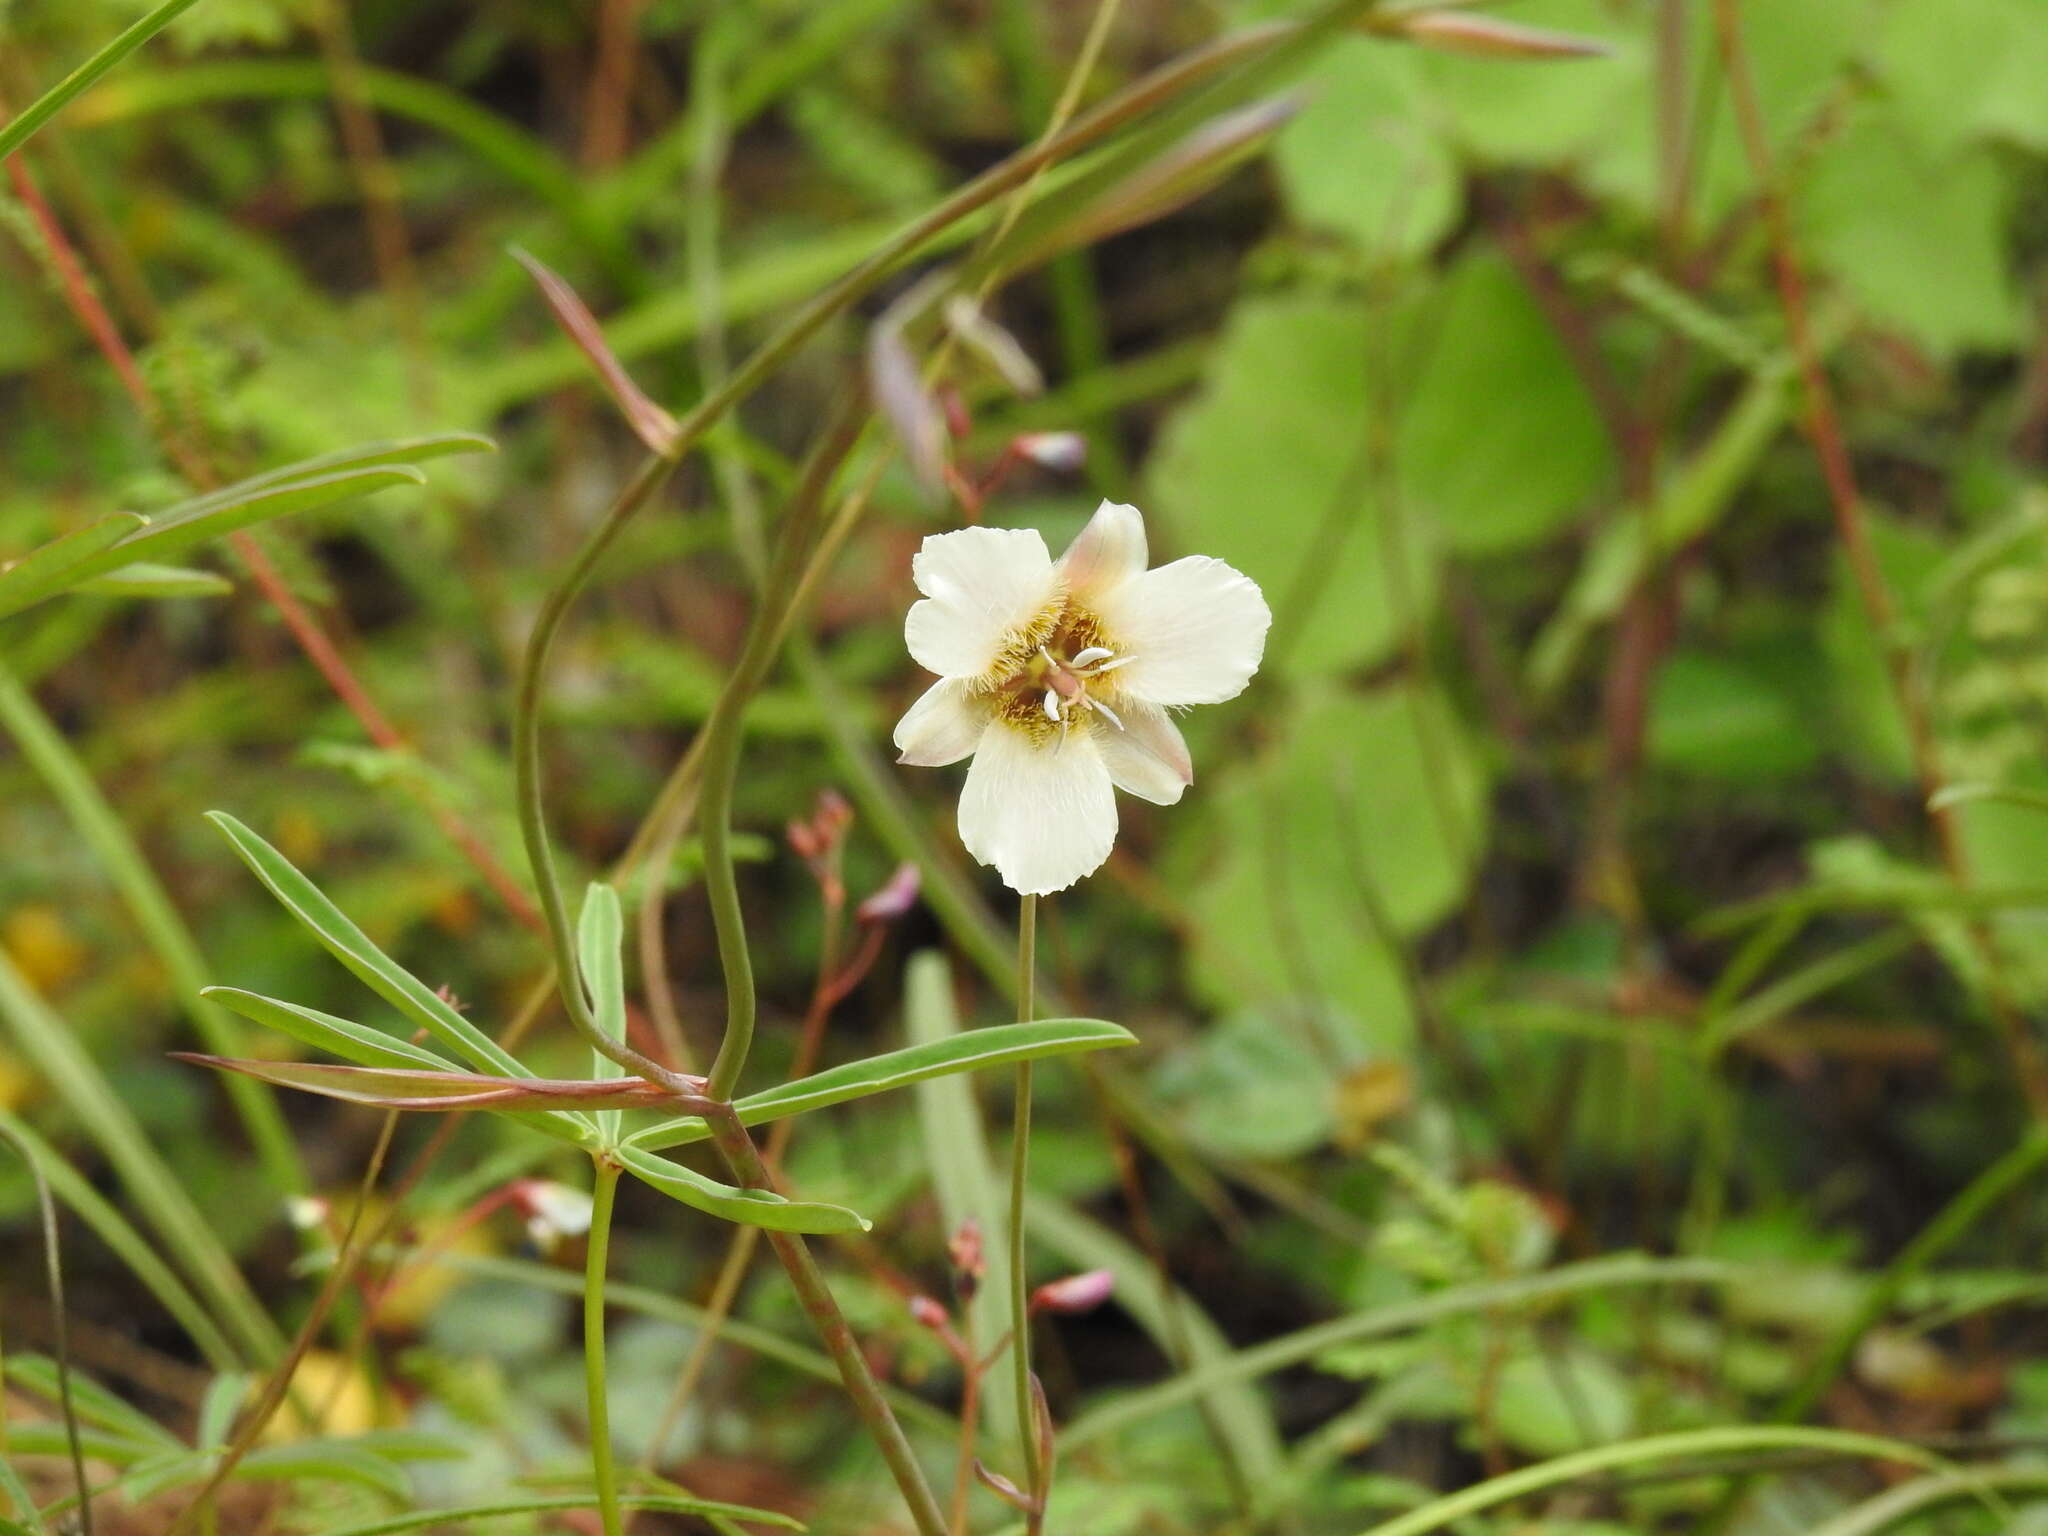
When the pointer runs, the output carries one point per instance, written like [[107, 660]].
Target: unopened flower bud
[[833, 815], [803, 840], [1061, 452], [968, 1260], [1074, 1294], [306, 1212], [553, 1211], [927, 1313], [894, 897]]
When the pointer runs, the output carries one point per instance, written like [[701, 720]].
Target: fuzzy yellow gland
[[1056, 678]]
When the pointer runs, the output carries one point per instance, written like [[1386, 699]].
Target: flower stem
[[602, 1471], [1020, 1172], [815, 1296]]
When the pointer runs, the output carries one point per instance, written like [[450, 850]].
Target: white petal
[[1194, 630], [1042, 813], [942, 726], [1147, 757], [1107, 553], [980, 585]]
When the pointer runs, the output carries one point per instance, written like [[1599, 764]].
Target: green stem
[[815, 1296], [602, 1470], [1020, 1178]]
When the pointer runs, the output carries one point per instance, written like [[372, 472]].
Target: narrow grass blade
[[352, 947], [999, 1045], [1649, 1451], [359, 1043], [1596, 1276], [114, 850], [748, 1207], [53, 1049], [963, 1174], [129, 1246], [57, 97]]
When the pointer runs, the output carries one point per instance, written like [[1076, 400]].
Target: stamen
[[1104, 709], [1094, 653], [1052, 707], [1114, 663]]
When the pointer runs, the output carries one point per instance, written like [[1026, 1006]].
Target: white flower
[[1057, 679]]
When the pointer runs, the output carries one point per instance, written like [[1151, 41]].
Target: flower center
[[1061, 679]]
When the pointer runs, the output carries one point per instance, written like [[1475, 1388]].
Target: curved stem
[[602, 1470], [1020, 1176]]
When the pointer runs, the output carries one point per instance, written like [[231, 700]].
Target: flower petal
[[1041, 811], [1147, 758], [942, 726], [980, 586], [1195, 629], [1107, 553]]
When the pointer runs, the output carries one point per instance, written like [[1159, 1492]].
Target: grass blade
[[53, 1049], [60, 95]]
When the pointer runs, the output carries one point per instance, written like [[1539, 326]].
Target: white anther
[[1052, 706], [1094, 653], [1103, 709]]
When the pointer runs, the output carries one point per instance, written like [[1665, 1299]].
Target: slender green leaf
[[326, 1460], [143, 579], [224, 1397], [997, 1046], [415, 1089], [749, 1207], [352, 947], [44, 568], [598, 938], [57, 97], [210, 517], [400, 451], [667, 1503], [93, 1403], [359, 1043], [1896, 1505]]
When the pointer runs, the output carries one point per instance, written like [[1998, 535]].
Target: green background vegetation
[[1564, 890]]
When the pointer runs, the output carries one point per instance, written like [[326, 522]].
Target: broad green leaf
[[1245, 1088], [1364, 158], [1500, 443], [352, 947], [749, 1207], [358, 1043], [1264, 469], [1919, 240], [44, 569], [598, 936], [1966, 69], [1362, 821], [998, 1045], [1716, 717], [143, 579]]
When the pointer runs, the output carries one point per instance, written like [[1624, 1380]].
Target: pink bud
[[894, 898], [1061, 452], [928, 1313], [1074, 1293], [833, 815], [803, 839]]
